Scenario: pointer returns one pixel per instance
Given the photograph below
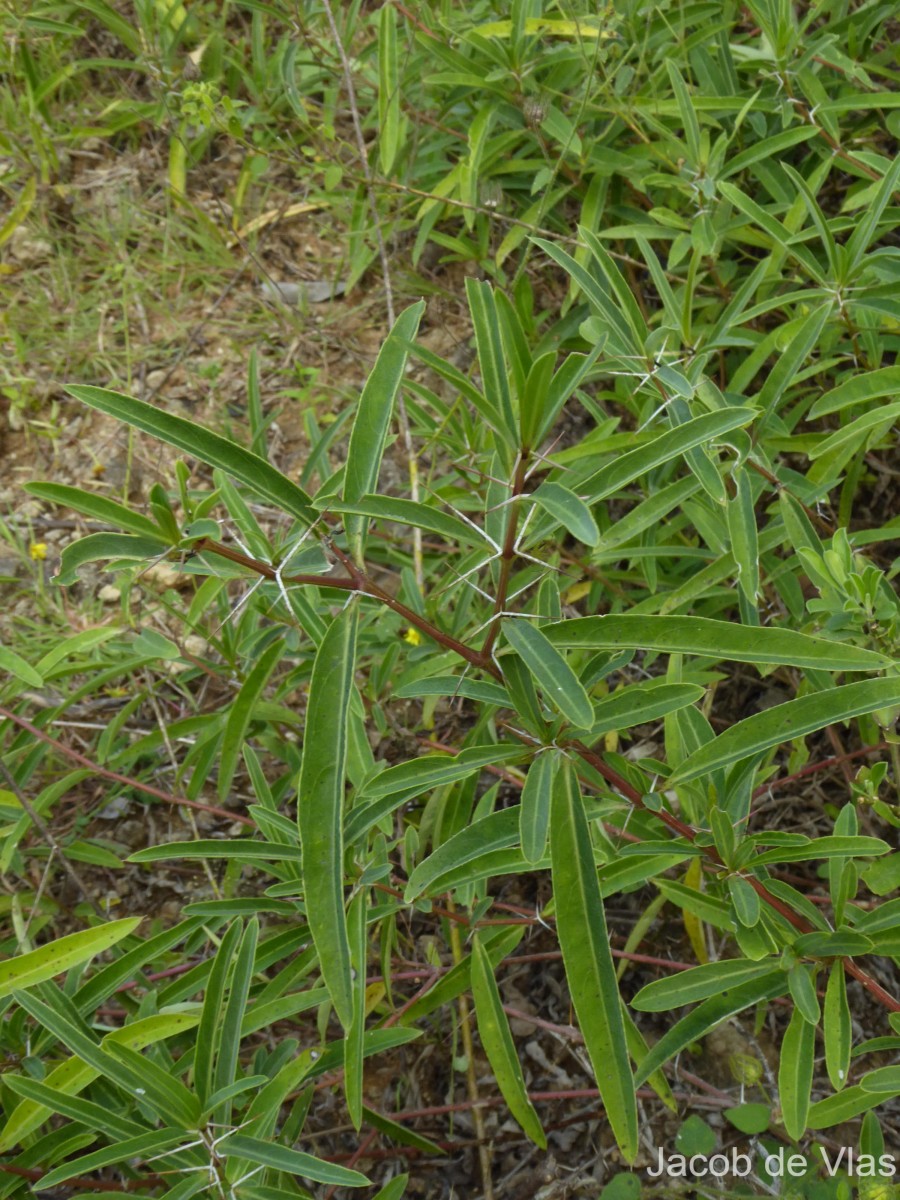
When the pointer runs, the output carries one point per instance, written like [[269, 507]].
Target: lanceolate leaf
[[292, 1162], [711, 1012], [559, 683], [712, 639], [836, 1027], [841, 1107], [534, 809], [320, 805], [630, 466], [687, 987], [106, 546], [496, 1038], [857, 390], [241, 712], [211, 448], [795, 1072], [410, 512], [642, 702], [58, 956], [101, 508], [494, 832], [788, 721], [14, 664], [373, 417], [584, 940], [569, 510], [72, 1075]]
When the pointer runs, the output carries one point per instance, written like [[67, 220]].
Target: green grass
[[576, 581]]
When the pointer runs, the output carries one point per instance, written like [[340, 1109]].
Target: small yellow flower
[[38, 551], [413, 636]]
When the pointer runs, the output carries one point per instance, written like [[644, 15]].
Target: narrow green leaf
[[836, 1027], [711, 1012], [857, 390], [230, 1029], [744, 536], [583, 937], [745, 900], [241, 848], [711, 639], [99, 507], [14, 664], [390, 116], [834, 846], [698, 983], [570, 376], [629, 306], [561, 686], [58, 956], [373, 417], [802, 984], [792, 359], [173, 1102], [778, 234], [787, 721], [320, 805], [72, 1075], [533, 399], [831, 943], [864, 233], [621, 337], [841, 1107], [106, 546], [240, 714], [569, 510], [145, 1145], [688, 113], [410, 512], [209, 1031], [534, 809], [394, 1189], [818, 218], [795, 1073], [56, 1019], [353, 1041], [675, 442], [884, 1079], [489, 344], [497, 831], [258, 474], [767, 148], [76, 1108], [455, 685], [399, 1133], [496, 1038], [642, 702], [292, 1162], [648, 513], [857, 431], [414, 778]]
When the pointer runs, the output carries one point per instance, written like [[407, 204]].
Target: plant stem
[[508, 554]]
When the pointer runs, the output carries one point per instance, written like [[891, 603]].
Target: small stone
[[161, 575], [109, 594]]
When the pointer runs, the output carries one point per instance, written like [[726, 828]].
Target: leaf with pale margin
[[258, 474], [787, 721], [583, 937], [320, 805], [712, 639]]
